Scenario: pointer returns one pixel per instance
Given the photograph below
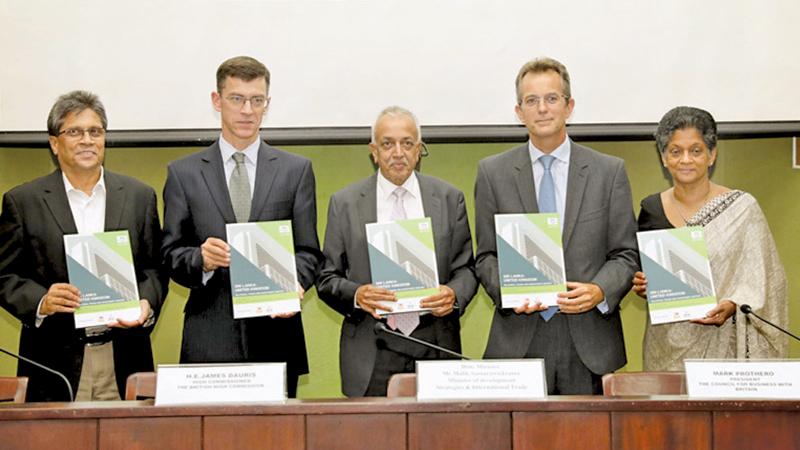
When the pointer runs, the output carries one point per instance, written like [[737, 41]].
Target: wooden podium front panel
[[356, 431], [776, 430], [463, 431], [573, 430], [50, 434], [661, 430], [175, 433], [254, 432]]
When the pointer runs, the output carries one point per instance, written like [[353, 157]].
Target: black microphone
[[380, 326], [747, 310], [34, 363]]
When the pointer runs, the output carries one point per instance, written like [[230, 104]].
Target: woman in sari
[[742, 253]]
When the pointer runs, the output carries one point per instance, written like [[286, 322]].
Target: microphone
[[747, 310], [381, 327], [45, 368]]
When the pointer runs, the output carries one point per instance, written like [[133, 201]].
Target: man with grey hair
[[366, 359], [591, 194], [80, 196]]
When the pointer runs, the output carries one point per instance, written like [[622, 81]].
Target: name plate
[[743, 379], [517, 379], [191, 384]]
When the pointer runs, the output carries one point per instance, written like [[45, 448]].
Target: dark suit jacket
[[599, 247], [36, 216], [197, 206], [347, 267]]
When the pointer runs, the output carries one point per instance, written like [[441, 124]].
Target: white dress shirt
[[412, 200]]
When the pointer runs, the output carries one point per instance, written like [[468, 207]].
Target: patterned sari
[[746, 269]]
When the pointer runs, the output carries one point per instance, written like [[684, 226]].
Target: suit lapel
[[266, 171], [576, 185], [115, 202], [214, 175], [523, 174], [432, 207], [367, 203], [55, 197]]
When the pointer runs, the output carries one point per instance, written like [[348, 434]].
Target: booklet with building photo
[[679, 283], [263, 269], [530, 258], [100, 265], [402, 258]]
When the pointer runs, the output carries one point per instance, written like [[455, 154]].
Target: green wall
[[760, 166]]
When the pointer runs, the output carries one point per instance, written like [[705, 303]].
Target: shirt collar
[[561, 153], [100, 186], [250, 152], [386, 187]]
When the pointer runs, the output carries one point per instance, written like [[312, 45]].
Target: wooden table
[[570, 422]]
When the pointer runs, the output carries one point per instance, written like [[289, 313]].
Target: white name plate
[[190, 384], [743, 379], [517, 379]]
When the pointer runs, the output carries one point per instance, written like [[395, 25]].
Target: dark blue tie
[[547, 204]]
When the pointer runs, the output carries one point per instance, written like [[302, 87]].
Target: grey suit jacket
[[599, 247], [197, 206], [346, 268], [35, 218]]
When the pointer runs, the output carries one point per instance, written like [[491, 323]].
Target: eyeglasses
[[256, 102], [406, 144], [678, 153], [78, 133], [550, 99]]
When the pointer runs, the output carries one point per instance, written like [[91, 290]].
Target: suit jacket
[[197, 206], [35, 217], [346, 268], [599, 247]]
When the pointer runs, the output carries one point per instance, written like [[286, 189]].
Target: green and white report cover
[[402, 258], [263, 270], [679, 283], [530, 258], [100, 265]]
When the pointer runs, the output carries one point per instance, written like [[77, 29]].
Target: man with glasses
[[395, 192], [239, 178], [580, 339], [80, 196]]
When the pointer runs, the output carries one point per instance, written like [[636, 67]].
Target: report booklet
[[679, 283], [402, 258], [263, 269], [100, 265], [530, 257]]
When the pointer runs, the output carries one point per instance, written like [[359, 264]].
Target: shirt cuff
[[39, 317], [603, 307], [207, 276]]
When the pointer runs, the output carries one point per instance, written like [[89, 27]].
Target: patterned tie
[[239, 189], [547, 204], [405, 322]]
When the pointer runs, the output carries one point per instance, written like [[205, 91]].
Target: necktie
[[547, 204], [405, 322], [239, 189]]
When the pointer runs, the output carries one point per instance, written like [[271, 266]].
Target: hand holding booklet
[[679, 283], [402, 259], [263, 268], [100, 265], [530, 257]]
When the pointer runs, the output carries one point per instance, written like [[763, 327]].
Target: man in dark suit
[[78, 197], [368, 360], [591, 193], [239, 178]]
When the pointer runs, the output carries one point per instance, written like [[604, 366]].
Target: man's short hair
[[396, 111], [73, 102], [686, 117], [541, 65], [244, 68]]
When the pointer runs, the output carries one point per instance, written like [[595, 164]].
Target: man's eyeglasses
[[77, 133], [549, 99], [256, 102]]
